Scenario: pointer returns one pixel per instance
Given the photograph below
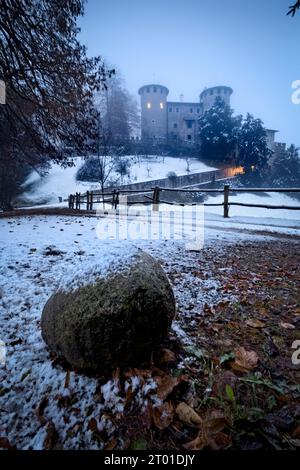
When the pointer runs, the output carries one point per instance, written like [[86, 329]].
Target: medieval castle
[[163, 120]]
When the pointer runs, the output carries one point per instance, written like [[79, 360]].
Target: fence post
[[155, 201], [91, 201], [117, 199], [87, 200], [226, 201]]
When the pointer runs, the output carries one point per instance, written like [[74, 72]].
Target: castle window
[[219, 91], [191, 110], [154, 89], [189, 137], [153, 122], [211, 92], [161, 105], [175, 125], [148, 90], [148, 105], [161, 90], [177, 110], [170, 110], [189, 124], [198, 110]]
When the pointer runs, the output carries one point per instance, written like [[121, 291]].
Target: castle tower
[[154, 111], [209, 95]]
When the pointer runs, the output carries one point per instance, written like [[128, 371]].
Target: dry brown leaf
[[215, 422], [41, 408], [254, 323], [166, 384], [187, 414], [163, 415], [51, 438], [287, 326], [244, 360], [220, 441], [167, 356], [67, 379], [111, 444], [5, 444], [197, 444]]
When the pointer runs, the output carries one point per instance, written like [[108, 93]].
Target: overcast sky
[[186, 45]]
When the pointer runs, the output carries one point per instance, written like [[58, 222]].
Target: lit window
[[149, 105], [161, 105]]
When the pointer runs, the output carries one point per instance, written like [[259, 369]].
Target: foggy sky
[[186, 45]]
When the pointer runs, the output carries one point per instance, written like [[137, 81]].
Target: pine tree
[[218, 131], [286, 169], [253, 151]]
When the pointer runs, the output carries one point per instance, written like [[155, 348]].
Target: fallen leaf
[[244, 360], [215, 422], [287, 326], [254, 323], [41, 408], [5, 444], [220, 441], [166, 356], [166, 384], [187, 414], [163, 415], [51, 437], [197, 444]]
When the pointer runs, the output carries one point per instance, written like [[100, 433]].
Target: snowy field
[[36, 252], [60, 182]]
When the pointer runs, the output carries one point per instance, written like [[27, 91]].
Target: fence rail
[[153, 196]]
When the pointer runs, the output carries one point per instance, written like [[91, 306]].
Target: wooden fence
[[155, 197]]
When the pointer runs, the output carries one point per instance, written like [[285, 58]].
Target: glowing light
[[149, 105], [161, 105]]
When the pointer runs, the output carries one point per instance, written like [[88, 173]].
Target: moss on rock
[[116, 322]]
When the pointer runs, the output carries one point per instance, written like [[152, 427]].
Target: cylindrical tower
[[209, 95], [154, 111]]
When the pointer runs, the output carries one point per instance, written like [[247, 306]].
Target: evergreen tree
[[218, 132], [286, 169], [253, 151]]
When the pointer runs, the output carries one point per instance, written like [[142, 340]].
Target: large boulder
[[116, 320]]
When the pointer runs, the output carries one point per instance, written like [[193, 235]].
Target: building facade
[[164, 120]]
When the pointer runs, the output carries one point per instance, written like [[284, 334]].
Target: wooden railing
[[154, 196]]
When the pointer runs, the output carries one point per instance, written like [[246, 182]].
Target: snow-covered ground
[[60, 182], [36, 252], [272, 199]]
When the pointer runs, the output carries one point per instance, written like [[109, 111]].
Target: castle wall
[[183, 120]]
